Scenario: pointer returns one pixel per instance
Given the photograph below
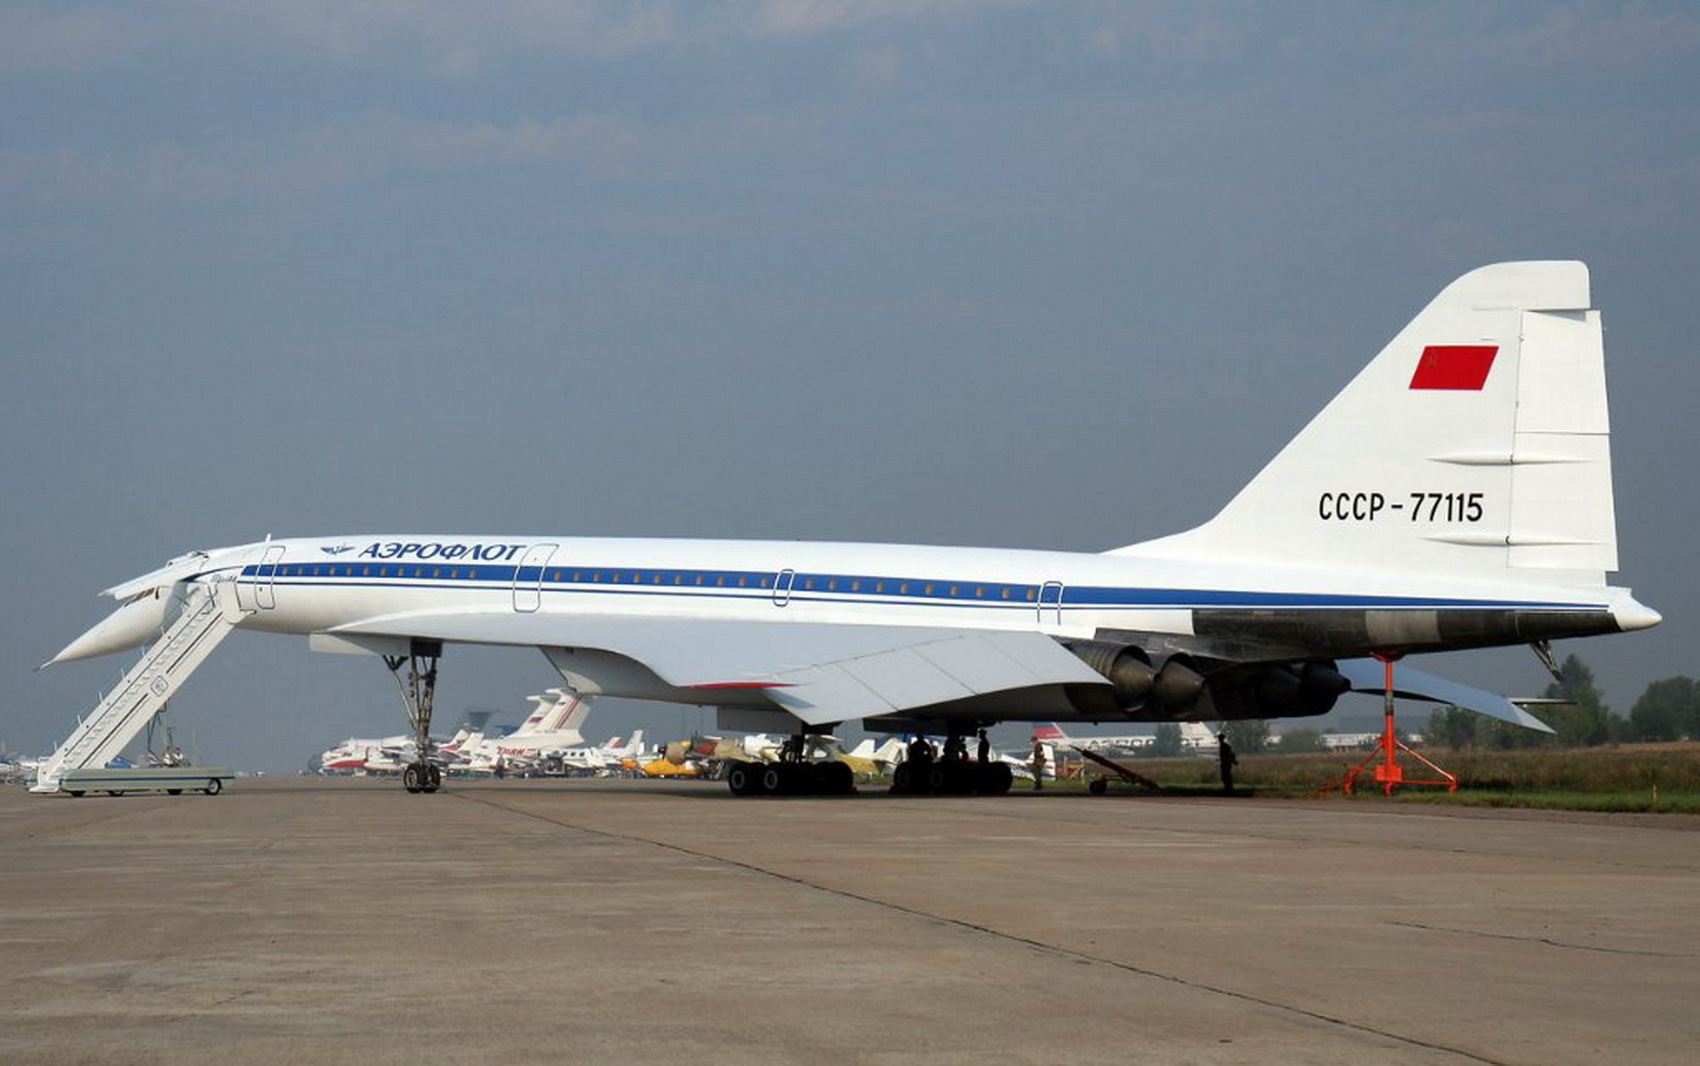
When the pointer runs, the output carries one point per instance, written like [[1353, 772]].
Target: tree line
[[1669, 709]]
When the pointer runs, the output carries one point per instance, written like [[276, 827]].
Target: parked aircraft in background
[[553, 728], [1456, 494], [616, 754], [373, 754], [875, 759], [1051, 733]]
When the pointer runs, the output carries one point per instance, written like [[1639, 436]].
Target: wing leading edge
[[819, 672]]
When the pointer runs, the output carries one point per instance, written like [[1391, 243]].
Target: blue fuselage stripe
[[837, 588]]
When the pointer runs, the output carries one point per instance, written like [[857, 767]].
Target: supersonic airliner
[[1456, 494]]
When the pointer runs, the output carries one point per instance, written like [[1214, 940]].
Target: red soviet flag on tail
[[1462, 367]]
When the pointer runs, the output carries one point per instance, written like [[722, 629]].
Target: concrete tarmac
[[589, 921]]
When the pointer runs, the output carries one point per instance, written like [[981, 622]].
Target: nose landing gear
[[418, 696]]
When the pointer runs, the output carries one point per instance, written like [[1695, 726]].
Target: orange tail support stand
[[1388, 773]]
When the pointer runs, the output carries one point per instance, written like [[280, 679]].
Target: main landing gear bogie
[[923, 773], [952, 777], [791, 779], [792, 775]]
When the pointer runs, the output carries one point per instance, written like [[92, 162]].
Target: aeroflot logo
[[1454, 367], [484, 553]]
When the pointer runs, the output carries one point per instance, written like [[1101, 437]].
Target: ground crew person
[[1038, 766], [1226, 758]]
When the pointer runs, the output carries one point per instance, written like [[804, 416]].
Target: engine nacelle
[[1179, 691], [1123, 665], [1298, 690], [1320, 685], [1177, 686]]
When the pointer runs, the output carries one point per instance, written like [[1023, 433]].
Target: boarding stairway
[[141, 693]]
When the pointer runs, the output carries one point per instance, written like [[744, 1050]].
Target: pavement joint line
[[1543, 940], [1052, 949]]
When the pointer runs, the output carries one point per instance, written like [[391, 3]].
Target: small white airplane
[[617, 754], [375, 754], [1456, 494]]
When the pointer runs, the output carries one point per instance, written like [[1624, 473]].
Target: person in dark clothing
[[985, 748], [1227, 760], [920, 752]]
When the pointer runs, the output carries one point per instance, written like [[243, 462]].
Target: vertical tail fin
[[534, 722], [1049, 733], [1476, 443], [578, 711], [565, 710]]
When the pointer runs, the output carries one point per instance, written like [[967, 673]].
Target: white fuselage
[[323, 584]]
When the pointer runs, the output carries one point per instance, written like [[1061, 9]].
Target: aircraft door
[[1050, 603], [782, 587], [528, 577], [265, 574]]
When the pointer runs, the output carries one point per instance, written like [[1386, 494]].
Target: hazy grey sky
[[1051, 274]]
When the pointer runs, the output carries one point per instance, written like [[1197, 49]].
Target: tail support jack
[[1385, 756]]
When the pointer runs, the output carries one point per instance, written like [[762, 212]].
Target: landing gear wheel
[[995, 779], [422, 777], [214, 786], [903, 779], [1099, 786], [951, 778], [742, 780], [837, 779], [173, 792], [818, 779]]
